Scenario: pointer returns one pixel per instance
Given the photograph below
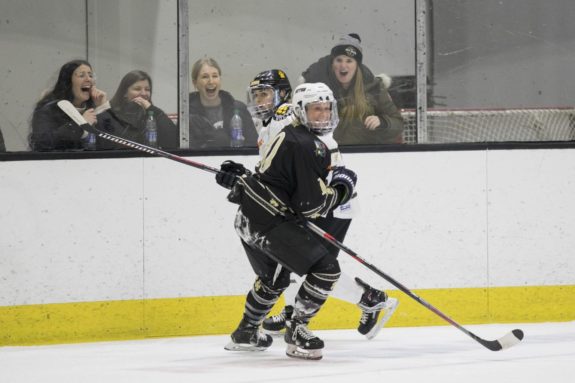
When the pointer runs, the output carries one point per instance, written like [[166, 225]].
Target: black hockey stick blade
[[503, 343], [67, 107]]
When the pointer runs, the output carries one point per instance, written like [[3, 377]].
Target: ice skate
[[274, 325], [301, 342], [372, 303], [248, 337]]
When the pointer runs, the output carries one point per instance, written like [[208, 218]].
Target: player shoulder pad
[[283, 111]]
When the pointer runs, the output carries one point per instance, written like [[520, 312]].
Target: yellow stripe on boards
[[71, 322], [138, 319]]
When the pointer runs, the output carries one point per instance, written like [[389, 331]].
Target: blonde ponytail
[[355, 105]]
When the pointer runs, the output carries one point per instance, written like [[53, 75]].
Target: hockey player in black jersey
[[268, 96], [290, 185]]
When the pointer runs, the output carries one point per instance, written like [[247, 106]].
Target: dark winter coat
[[204, 135], [352, 131], [53, 130], [129, 121]]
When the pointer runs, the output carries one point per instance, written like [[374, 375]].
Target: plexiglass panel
[[248, 37], [497, 70], [115, 38], [501, 70]]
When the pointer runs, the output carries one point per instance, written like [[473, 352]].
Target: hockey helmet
[[267, 91], [307, 96]]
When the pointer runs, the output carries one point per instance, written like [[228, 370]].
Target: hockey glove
[[343, 180], [229, 173]]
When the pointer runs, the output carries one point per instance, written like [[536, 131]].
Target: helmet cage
[[309, 94], [263, 110], [321, 127], [275, 79]]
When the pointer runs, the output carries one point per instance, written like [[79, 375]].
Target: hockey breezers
[[510, 339]]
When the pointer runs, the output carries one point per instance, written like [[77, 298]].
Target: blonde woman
[[367, 112], [211, 109]]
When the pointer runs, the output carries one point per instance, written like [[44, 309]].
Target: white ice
[[421, 354]]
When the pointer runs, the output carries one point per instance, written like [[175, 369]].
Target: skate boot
[[301, 343], [248, 337], [372, 303], [275, 324]]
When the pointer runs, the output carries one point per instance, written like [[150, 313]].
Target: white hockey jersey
[[283, 117]]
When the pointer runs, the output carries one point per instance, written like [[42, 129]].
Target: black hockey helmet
[[276, 84]]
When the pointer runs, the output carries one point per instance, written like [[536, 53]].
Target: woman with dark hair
[[367, 112], [52, 129], [212, 109], [131, 106]]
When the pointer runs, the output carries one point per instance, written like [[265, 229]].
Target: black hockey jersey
[[293, 175]]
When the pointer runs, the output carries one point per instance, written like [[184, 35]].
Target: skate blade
[[243, 347], [294, 351], [390, 307]]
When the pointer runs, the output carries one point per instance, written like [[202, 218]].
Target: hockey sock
[[312, 294], [259, 302], [347, 289], [291, 292]]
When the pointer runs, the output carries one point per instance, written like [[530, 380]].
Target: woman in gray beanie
[[367, 112]]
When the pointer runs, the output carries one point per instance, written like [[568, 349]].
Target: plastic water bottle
[[236, 125], [90, 142], [151, 130]]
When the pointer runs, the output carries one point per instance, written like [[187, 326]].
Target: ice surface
[[421, 354]]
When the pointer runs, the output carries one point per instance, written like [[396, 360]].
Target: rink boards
[[145, 247]]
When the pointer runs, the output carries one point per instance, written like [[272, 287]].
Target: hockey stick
[[505, 342], [73, 113]]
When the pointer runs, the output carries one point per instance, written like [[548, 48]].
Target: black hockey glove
[[343, 180], [295, 216], [229, 173]]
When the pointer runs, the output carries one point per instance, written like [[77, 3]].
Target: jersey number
[[271, 152]]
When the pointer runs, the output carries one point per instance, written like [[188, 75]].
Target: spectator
[[211, 109], [52, 129], [130, 108], [367, 112]]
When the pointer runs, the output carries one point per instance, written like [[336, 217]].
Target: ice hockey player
[[289, 186], [269, 96], [268, 99]]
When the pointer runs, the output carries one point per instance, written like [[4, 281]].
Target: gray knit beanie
[[349, 45]]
